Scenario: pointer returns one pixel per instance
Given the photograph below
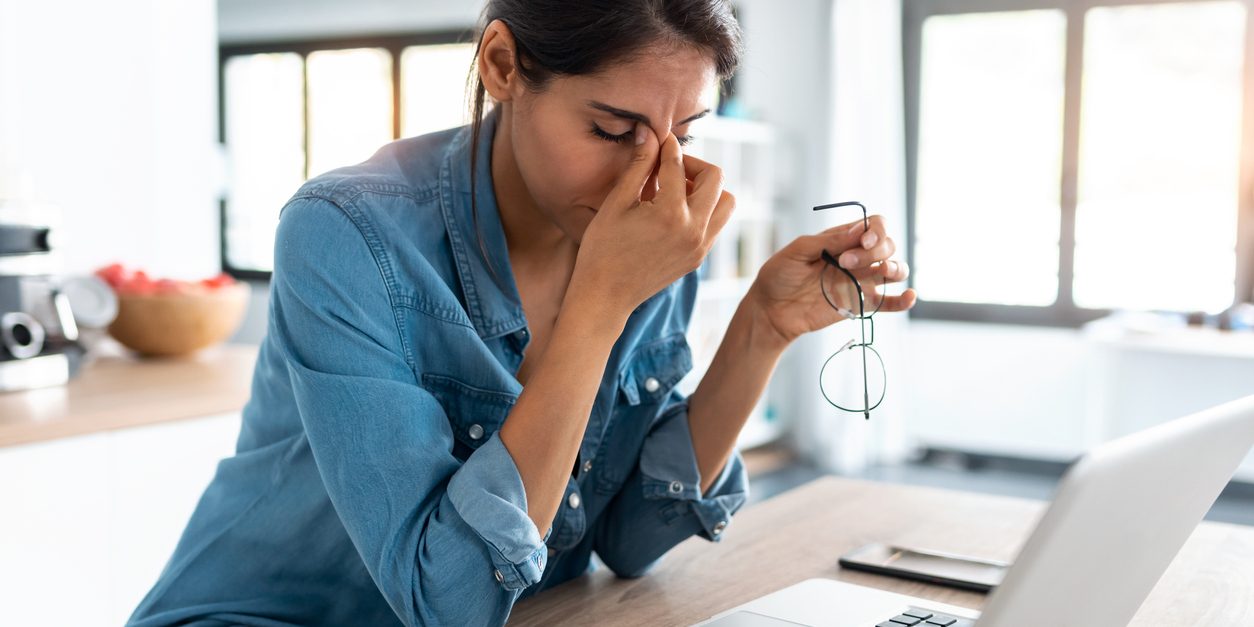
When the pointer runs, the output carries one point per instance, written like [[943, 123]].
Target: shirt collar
[[493, 304]]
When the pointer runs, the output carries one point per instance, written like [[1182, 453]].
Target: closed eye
[[684, 140]]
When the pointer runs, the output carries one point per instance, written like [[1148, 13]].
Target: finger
[[842, 237], [809, 248], [650, 186], [627, 189], [872, 232], [707, 183], [694, 165], [670, 171], [874, 222], [891, 271], [901, 302], [861, 258], [721, 214]]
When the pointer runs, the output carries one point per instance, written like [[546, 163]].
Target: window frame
[[395, 44], [1063, 312]]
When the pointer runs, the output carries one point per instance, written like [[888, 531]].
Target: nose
[[649, 191]]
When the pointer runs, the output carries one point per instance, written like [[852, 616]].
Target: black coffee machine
[[39, 344]]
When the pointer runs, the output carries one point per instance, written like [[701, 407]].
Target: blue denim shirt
[[369, 485]]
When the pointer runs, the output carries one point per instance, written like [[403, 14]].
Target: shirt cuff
[[488, 494], [668, 470]]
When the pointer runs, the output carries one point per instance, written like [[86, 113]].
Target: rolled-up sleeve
[[661, 503], [490, 497], [445, 541]]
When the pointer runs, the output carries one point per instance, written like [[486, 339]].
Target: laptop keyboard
[[916, 617]]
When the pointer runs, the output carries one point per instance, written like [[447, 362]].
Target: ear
[[497, 69]]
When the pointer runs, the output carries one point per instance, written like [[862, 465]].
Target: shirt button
[[499, 577], [676, 487], [552, 552], [587, 466], [722, 524], [476, 432], [573, 501], [651, 384]]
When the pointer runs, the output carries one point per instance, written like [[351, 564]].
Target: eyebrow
[[638, 117]]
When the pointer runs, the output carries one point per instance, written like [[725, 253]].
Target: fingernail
[[641, 130], [892, 267], [848, 260], [869, 239]]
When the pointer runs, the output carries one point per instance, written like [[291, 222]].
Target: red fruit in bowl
[[223, 279], [137, 283], [172, 324], [114, 274], [168, 286]]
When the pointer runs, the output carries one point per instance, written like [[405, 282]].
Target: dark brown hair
[[561, 38]]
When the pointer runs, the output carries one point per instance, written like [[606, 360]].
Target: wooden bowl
[[175, 324]]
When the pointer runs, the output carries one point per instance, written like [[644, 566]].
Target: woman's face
[[572, 140]]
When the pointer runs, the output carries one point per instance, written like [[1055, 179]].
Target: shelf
[[745, 151]]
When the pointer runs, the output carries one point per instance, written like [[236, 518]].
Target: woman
[[467, 385]]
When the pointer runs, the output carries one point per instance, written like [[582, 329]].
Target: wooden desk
[[800, 534], [115, 389]]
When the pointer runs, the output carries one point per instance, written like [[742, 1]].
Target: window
[[293, 110], [1098, 143]]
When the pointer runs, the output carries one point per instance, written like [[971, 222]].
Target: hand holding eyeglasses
[[799, 291]]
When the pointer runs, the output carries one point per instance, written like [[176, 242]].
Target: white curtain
[[866, 162]]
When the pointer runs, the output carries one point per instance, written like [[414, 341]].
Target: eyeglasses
[[845, 362]]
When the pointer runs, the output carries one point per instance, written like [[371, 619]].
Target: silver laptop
[[1118, 518]]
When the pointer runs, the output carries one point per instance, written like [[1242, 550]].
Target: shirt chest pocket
[[474, 413], [645, 382], [653, 369]]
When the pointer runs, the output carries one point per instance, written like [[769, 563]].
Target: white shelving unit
[[743, 149]]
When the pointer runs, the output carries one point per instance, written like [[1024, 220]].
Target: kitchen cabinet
[[98, 478], [89, 521]]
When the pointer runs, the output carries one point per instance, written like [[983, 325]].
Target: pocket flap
[[654, 368], [474, 413]]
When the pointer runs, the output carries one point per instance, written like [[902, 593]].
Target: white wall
[[111, 107], [996, 389]]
